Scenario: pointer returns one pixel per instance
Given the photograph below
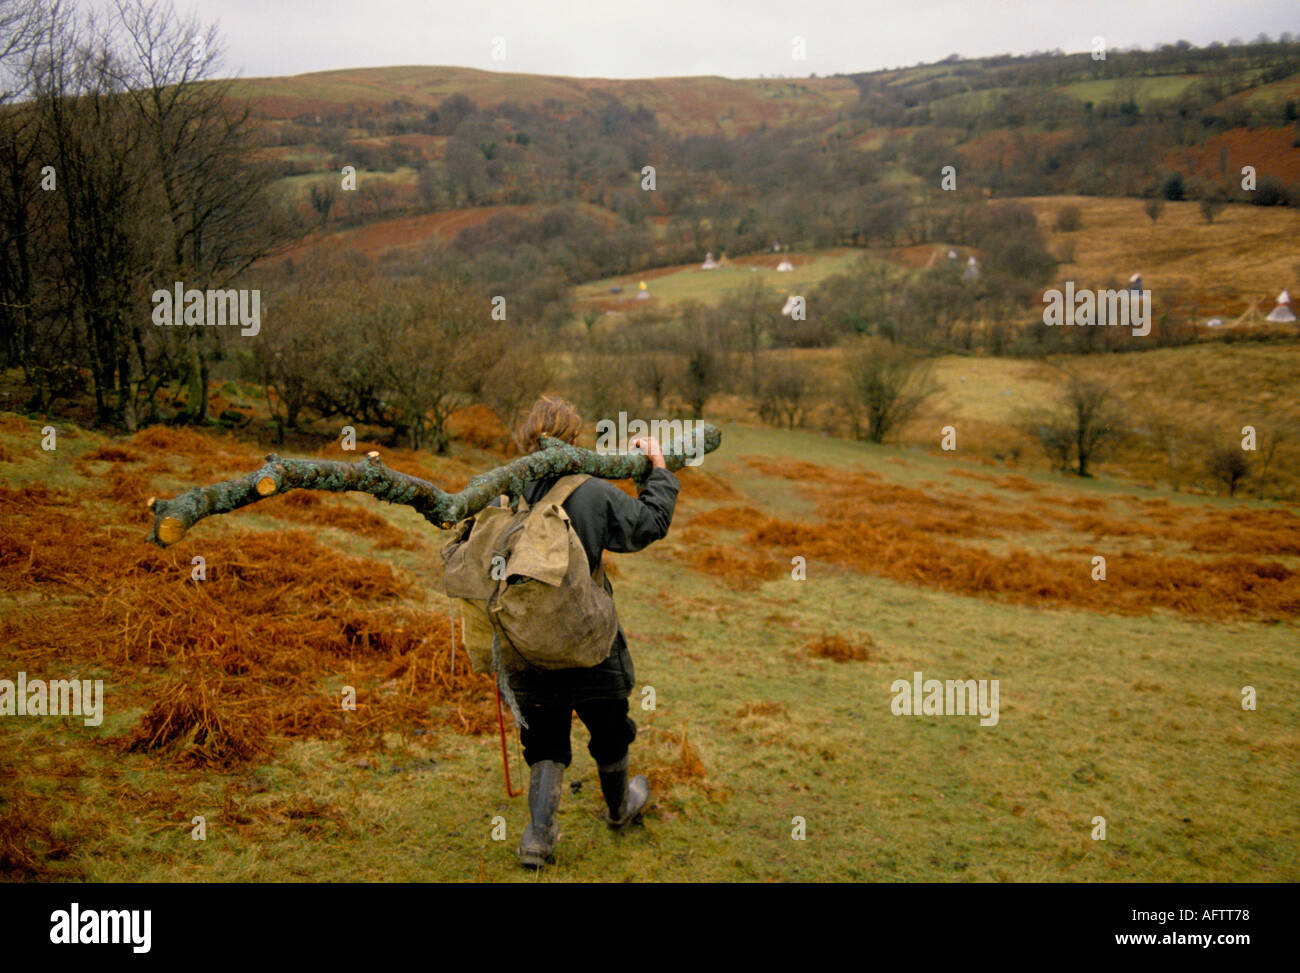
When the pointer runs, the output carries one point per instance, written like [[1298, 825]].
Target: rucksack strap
[[563, 488]]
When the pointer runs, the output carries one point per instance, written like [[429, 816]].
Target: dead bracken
[[839, 649]]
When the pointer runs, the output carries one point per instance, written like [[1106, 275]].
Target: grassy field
[[1247, 254], [1144, 90], [772, 696], [674, 285]]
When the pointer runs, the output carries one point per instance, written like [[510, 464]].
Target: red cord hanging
[[505, 760]]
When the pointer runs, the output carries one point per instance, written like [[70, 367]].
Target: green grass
[[689, 283], [401, 176], [1147, 90], [1269, 94], [971, 102]]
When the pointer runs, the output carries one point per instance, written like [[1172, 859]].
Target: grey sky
[[622, 39]]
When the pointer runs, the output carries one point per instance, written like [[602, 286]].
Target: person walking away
[[604, 519]]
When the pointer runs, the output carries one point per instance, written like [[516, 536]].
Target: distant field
[[1273, 92], [673, 285], [971, 102], [406, 231], [401, 176], [1145, 90], [1249, 253]]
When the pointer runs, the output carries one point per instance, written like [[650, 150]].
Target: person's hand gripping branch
[[650, 446]]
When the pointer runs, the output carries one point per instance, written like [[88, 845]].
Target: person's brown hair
[[550, 416]]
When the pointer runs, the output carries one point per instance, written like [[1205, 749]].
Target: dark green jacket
[[605, 519]]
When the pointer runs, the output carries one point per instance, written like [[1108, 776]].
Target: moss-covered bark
[[173, 518]]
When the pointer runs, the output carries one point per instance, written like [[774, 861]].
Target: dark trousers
[[547, 734]]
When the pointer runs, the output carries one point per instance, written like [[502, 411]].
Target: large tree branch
[[172, 518]]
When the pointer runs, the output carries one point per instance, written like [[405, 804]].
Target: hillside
[[1029, 126], [1118, 698], [683, 106]]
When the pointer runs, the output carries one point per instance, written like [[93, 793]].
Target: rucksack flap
[[541, 551]]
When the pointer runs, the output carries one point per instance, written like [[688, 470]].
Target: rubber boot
[[537, 846], [625, 799]]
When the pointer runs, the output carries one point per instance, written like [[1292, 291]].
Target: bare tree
[[886, 386], [864, 299], [1212, 201], [787, 395], [702, 341], [464, 172], [287, 358], [702, 376], [285, 364], [1229, 464], [506, 371], [1086, 422], [26, 206], [20, 33], [322, 197], [602, 383], [753, 309], [152, 184], [424, 329], [653, 371], [1057, 441], [105, 204], [220, 215], [1166, 435]]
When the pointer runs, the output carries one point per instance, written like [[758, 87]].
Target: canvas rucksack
[[528, 595]]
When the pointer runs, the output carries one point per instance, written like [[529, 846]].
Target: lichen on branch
[[173, 518]]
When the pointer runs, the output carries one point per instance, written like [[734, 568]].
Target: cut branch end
[[170, 530]]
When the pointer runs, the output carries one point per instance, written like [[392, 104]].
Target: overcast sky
[[733, 38]]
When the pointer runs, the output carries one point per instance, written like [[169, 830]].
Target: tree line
[[124, 172]]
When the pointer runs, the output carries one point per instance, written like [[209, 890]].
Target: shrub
[[1069, 219]]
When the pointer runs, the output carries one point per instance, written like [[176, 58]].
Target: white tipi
[[784, 265], [1282, 314], [709, 262]]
